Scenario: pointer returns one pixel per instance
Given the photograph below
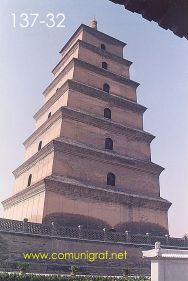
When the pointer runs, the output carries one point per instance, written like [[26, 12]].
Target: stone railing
[[90, 234]]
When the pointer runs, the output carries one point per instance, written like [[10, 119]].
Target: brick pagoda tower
[[89, 162]]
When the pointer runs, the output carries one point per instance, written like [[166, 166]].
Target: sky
[[160, 65]]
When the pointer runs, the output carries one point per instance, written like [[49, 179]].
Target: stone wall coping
[[81, 240], [90, 235], [165, 254]]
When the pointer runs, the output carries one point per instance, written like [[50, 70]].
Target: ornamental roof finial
[[93, 23]]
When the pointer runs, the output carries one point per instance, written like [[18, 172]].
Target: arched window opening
[[103, 47], [109, 143], [107, 113], [29, 180], [40, 145], [111, 179], [104, 65], [49, 115], [112, 230], [106, 88]]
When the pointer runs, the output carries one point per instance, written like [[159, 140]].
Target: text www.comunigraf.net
[[89, 256]]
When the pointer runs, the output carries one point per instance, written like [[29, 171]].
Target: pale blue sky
[[160, 65]]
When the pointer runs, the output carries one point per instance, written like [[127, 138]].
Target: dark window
[[112, 230], [107, 113], [103, 47], [111, 179], [109, 143], [40, 145], [104, 65], [106, 88], [49, 115], [29, 180]]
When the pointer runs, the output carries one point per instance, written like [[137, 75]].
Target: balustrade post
[[148, 238], [185, 237], [105, 234], [80, 228], [53, 229], [25, 225], [167, 236], [128, 237]]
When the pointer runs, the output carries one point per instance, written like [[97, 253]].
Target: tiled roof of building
[[169, 14]]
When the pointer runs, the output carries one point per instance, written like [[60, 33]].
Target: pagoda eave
[[93, 120], [97, 33], [106, 73], [87, 46], [70, 187], [68, 146], [100, 71], [24, 194], [93, 92]]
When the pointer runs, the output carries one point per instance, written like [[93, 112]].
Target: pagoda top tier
[[86, 33]]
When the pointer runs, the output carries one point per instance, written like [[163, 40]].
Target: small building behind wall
[[167, 264]]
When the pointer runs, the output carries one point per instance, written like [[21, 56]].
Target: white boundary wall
[[167, 264]]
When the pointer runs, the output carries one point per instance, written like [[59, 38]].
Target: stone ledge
[[160, 253]]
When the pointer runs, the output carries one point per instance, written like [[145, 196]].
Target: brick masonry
[[64, 180], [15, 244]]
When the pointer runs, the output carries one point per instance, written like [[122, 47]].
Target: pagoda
[[88, 161]]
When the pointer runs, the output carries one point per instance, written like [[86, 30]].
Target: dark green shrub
[[74, 269], [22, 267]]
